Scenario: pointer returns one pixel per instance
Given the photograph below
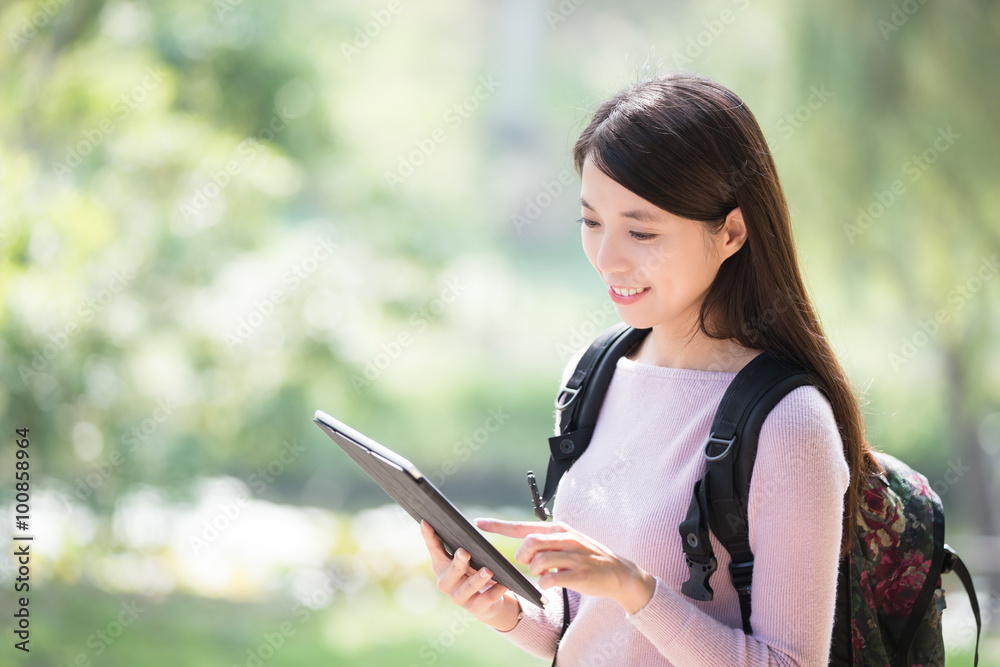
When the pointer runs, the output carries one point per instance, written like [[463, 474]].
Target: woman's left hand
[[566, 557]]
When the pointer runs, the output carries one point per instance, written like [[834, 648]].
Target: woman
[[685, 221]]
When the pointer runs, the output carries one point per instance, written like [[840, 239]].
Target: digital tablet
[[422, 500]]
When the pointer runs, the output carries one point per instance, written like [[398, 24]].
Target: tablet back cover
[[422, 500]]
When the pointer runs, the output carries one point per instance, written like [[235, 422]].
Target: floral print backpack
[[889, 598]]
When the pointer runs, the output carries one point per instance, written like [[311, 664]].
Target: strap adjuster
[[712, 440], [742, 576], [566, 391], [567, 446]]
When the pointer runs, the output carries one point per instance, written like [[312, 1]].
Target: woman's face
[[657, 266]]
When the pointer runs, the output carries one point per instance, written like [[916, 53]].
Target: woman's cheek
[[591, 243], [654, 265]]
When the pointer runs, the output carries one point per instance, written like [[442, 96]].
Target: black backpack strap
[[952, 563], [729, 459], [943, 560], [580, 402], [841, 645], [926, 595], [565, 625], [697, 547]]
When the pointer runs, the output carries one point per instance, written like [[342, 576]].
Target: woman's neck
[[692, 351]]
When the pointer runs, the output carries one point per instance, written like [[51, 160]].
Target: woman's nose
[[612, 257]]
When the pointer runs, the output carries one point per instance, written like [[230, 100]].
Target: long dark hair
[[692, 147]]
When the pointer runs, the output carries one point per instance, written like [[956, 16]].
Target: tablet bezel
[[480, 550]]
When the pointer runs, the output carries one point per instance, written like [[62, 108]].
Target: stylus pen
[[536, 501]]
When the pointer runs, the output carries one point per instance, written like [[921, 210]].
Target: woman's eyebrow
[[636, 214]]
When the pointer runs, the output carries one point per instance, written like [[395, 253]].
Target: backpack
[[889, 594]]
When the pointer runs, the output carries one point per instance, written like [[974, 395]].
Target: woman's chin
[[629, 316]]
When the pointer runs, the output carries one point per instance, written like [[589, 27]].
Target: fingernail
[[485, 573], [461, 553]]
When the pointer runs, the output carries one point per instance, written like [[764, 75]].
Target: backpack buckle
[[697, 587]]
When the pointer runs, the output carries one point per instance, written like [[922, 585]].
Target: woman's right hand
[[496, 605]]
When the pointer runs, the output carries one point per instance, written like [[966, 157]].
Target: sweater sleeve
[[795, 511], [538, 632]]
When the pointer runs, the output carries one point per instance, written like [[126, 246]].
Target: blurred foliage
[[366, 631], [200, 244]]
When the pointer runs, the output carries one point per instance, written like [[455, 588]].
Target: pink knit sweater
[[630, 491]]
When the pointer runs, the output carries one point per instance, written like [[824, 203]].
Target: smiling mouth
[[628, 291]]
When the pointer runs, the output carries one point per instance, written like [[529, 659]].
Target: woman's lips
[[625, 300]]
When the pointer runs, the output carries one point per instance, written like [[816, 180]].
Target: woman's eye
[[638, 236]]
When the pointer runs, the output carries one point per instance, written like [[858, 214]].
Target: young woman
[[686, 223]]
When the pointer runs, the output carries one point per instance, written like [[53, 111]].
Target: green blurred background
[[218, 217]]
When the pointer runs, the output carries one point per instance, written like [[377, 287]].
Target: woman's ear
[[733, 234]]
